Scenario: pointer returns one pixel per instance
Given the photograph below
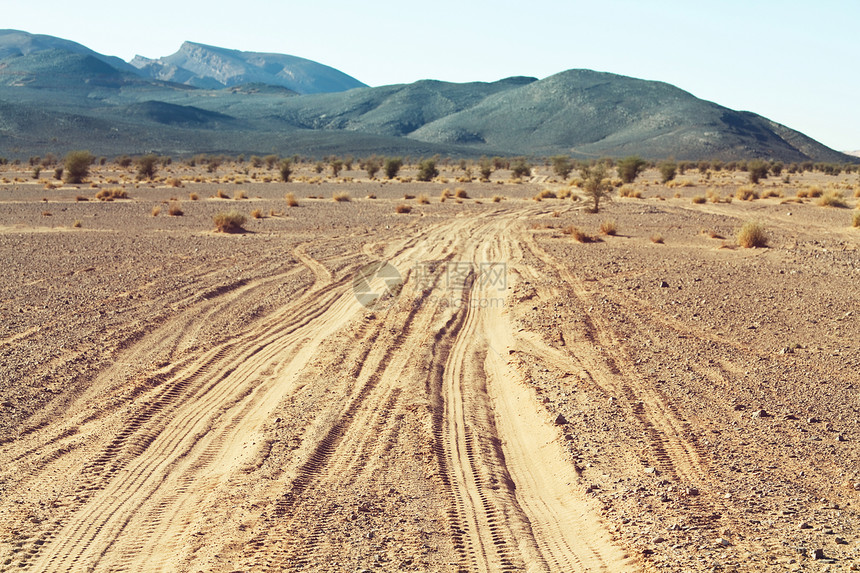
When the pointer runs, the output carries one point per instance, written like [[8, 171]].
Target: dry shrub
[[812, 191], [578, 234], [497, 198], [229, 222], [239, 195], [855, 220], [699, 199], [752, 235], [174, 182], [81, 198], [156, 211], [257, 213], [221, 194], [291, 200], [657, 238], [78, 224], [193, 196], [547, 194], [445, 194], [371, 196], [423, 200], [833, 199], [341, 197], [857, 191], [174, 209], [403, 208], [565, 193], [460, 193], [407, 196], [746, 193], [627, 191], [608, 227], [771, 193], [111, 194], [556, 214]]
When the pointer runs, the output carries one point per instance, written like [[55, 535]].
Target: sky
[[793, 62]]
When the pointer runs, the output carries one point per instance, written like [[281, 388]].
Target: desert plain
[[459, 386]]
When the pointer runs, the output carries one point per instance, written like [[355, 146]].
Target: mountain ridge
[[57, 95]]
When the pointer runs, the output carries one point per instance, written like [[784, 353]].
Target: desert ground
[[461, 387]]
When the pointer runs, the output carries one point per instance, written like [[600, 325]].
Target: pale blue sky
[[794, 62]]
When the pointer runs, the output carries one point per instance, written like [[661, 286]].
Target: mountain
[[210, 67], [57, 95], [14, 43]]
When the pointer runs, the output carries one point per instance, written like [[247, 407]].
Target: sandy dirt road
[[300, 441]]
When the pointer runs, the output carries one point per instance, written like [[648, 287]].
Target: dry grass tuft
[[746, 193], [174, 182], [547, 194], [77, 224], [423, 200], [174, 209], [341, 197], [81, 198], [156, 211], [460, 193], [855, 220], [291, 200], [229, 222], [240, 195], [407, 196], [497, 198], [699, 199], [257, 213], [657, 238], [221, 194], [752, 235], [833, 199], [193, 196], [609, 227], [111, 194], [627, 191], [403, 208], [578, 234]]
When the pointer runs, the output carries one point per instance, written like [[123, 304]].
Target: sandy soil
[[501, 398]]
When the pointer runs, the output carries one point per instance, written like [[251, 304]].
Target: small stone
[[692, 492], [840, 541], [840, 438], [723, 541], [812, 420], [664, 284], [804, 525], [818, 554], [760, 414], [650, 470], [659, 540], [560, 420]]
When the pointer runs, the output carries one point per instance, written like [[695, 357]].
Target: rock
[[840, 438], [723, 542], [760, 414], [659, 540], [560, 420], [804, 525], [818, 554], [840, 541], [812, 420], [651, 471], [664, 284], [692, 491]]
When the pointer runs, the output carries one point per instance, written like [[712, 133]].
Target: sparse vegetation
[[239, 195], [578, 234], [595, 184], [111, 194], [497, 198], [286, 169], [746, 193], [341, 197], [156, 211], [230, 222], [222, 195], [423, 200], [855, 219], [521, 169], [833, 199], [629, 168], [562, 165], [752, 235], [257, 213], [174, 209], [758, 170], [147, 167], [427, 170], [460, 193], [668, 170], [609, 227], [77, 166], [403, 208], [699, 199], [291, 200], [657, 238], [392, 167], [193, 196]]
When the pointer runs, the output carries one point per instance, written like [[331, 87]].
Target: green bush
[[758, 170], [286, 169], [392, 167], [629, 168], [596, 184], [77, 166], [147, 167], [668, 170], [562, 165], [427, 170], [521, 169]]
